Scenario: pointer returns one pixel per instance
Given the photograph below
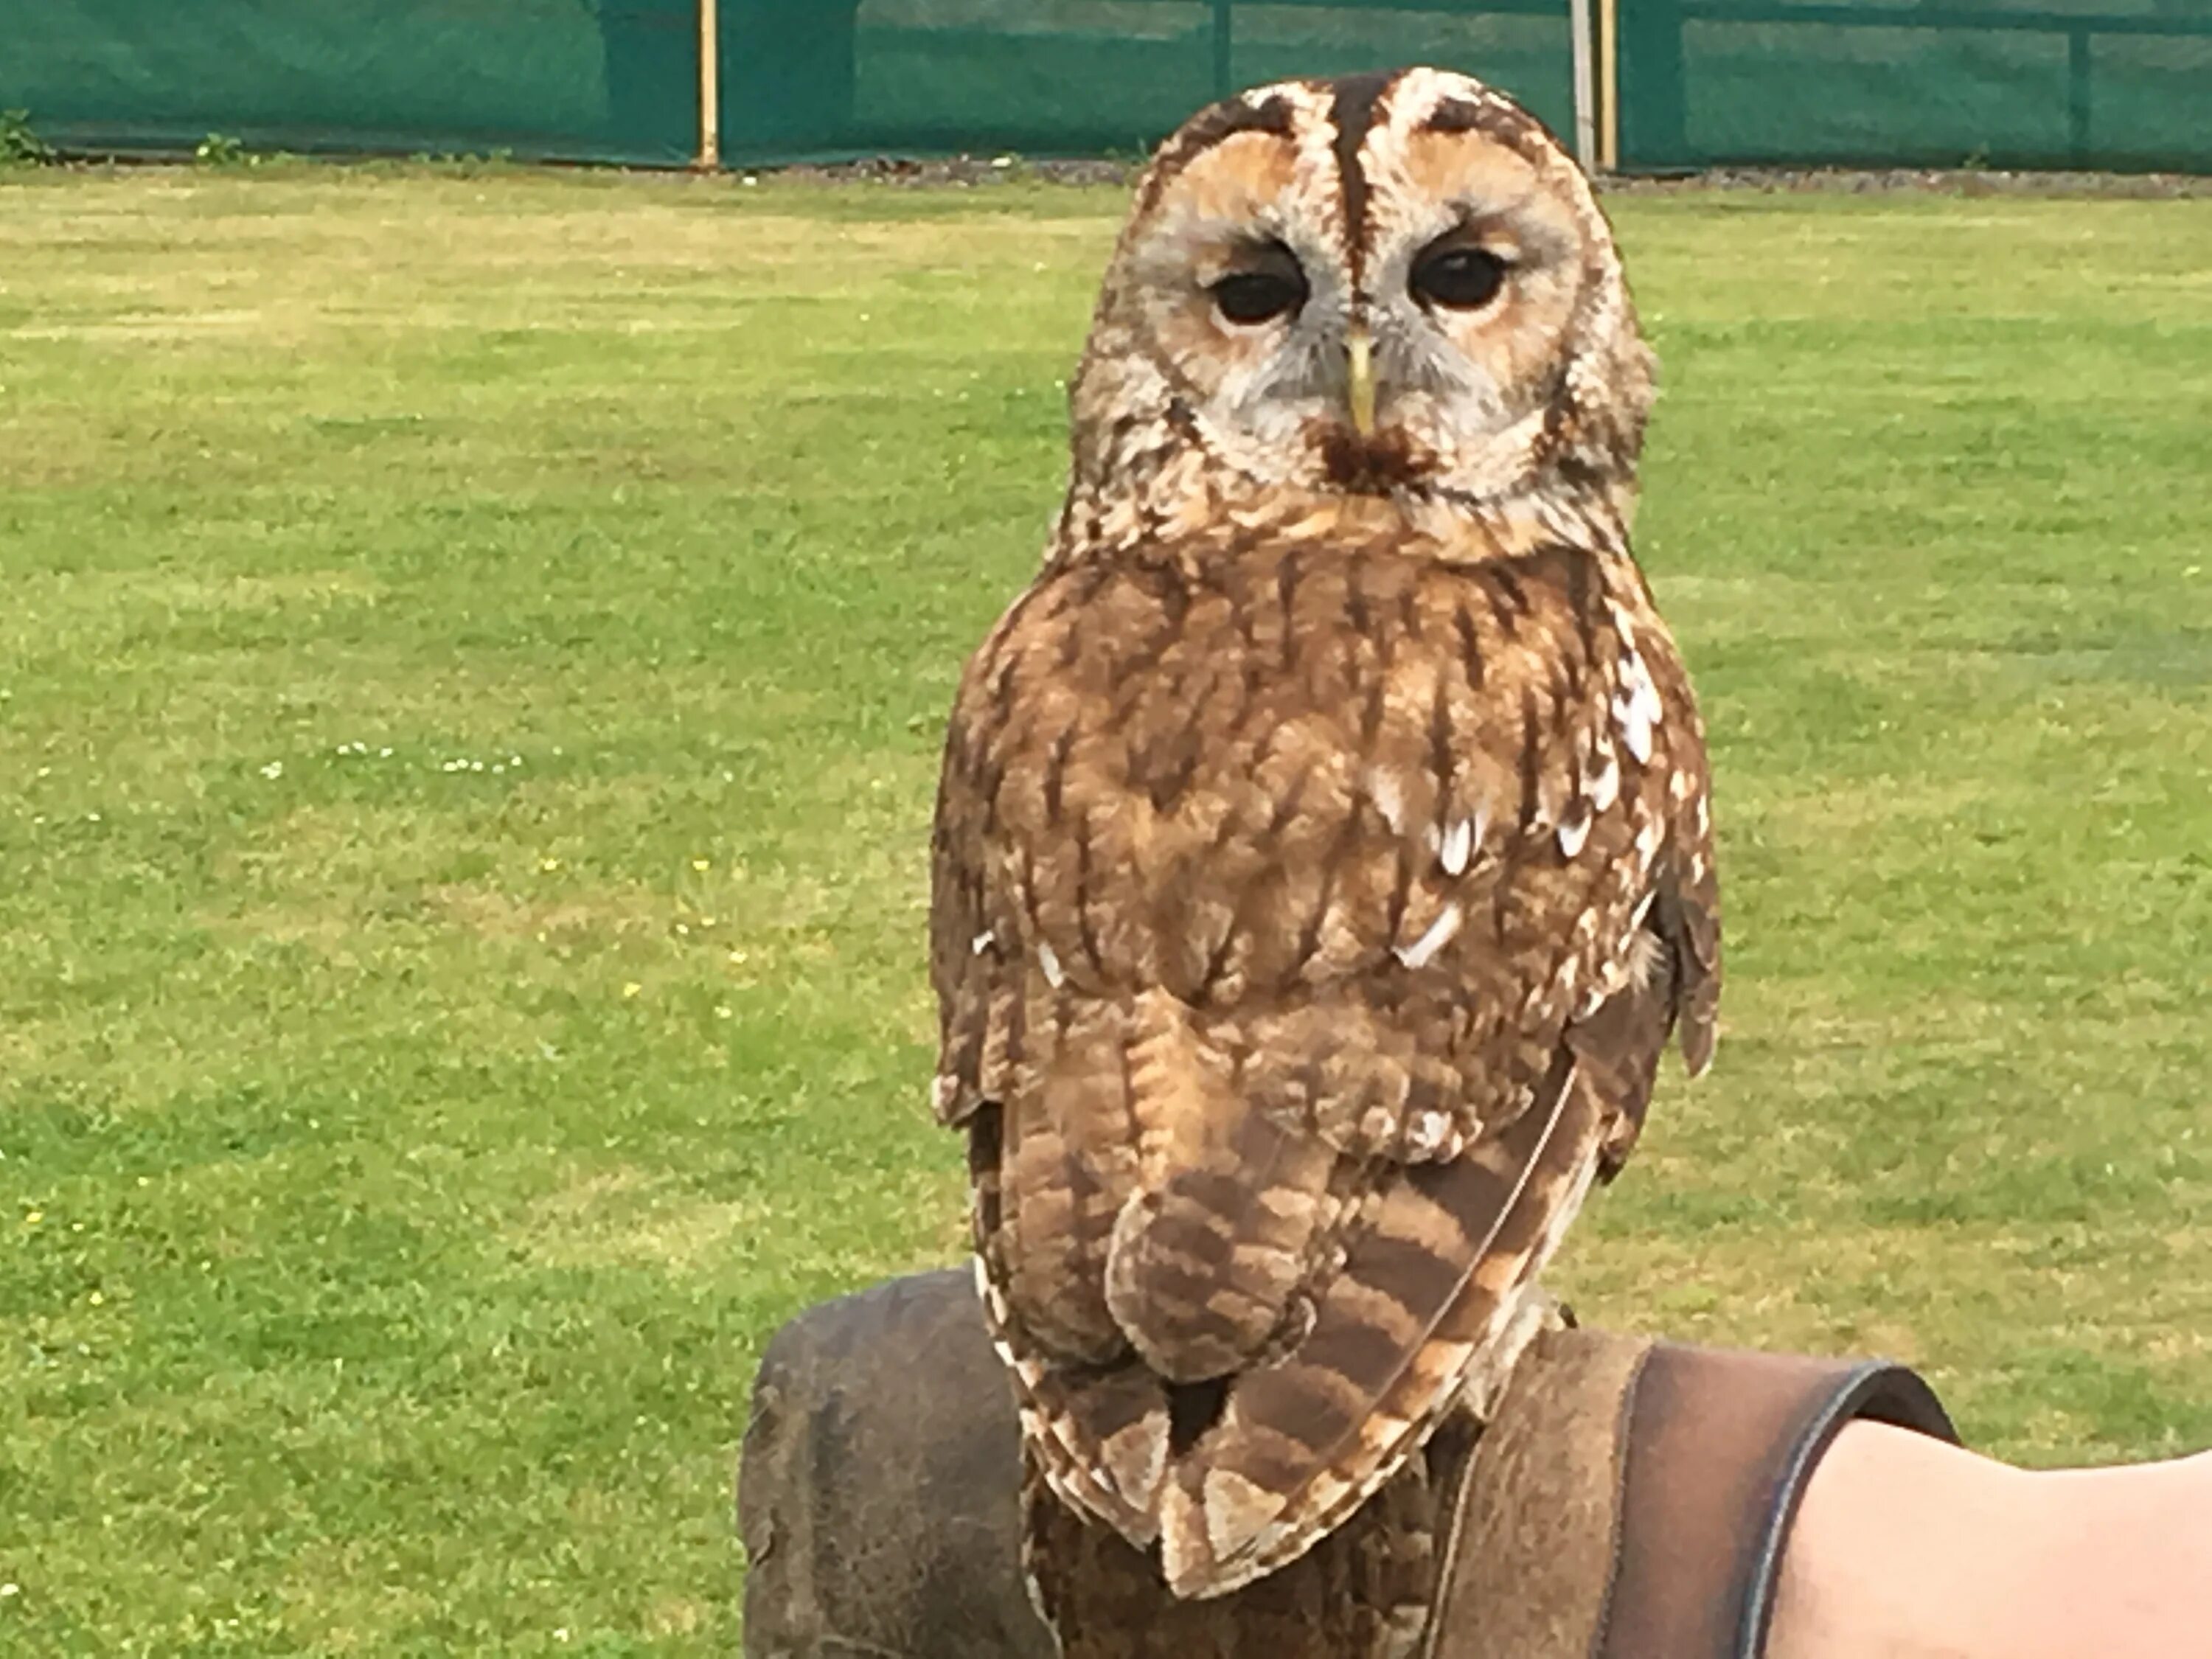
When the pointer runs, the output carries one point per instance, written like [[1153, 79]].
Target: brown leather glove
[[1628, 1498]]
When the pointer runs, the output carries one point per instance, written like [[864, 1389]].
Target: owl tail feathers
[[1432, 1291], [1101, 1443]]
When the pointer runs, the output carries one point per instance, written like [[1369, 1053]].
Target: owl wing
[[1307, 924]]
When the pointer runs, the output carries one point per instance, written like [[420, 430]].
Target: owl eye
[[1274, 287], [1465, 278]]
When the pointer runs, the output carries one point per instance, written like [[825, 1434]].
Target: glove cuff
[[1632, 1498]]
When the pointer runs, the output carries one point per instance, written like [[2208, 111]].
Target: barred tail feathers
[[1434, 1278]]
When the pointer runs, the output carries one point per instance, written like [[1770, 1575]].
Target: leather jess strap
[[1628, 1500]]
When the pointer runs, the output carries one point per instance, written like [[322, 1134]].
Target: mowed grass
[[472, 658]]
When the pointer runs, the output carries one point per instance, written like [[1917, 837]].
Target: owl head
[[1395, 285]]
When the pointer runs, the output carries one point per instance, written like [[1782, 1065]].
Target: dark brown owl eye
[[1274, 286], [1465, 278]]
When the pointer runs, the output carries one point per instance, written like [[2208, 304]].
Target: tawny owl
[[1322, 856]]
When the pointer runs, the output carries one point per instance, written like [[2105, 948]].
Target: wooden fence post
[[1609, 85], [710, 87], [1581, 22]]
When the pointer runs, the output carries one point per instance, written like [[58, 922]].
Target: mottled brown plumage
[[1323, 854]]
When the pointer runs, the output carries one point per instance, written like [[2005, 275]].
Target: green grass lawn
[[472, 658]]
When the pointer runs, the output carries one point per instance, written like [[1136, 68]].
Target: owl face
[[1387, 284]]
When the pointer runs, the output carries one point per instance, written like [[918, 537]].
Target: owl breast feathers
[[1322, 854]]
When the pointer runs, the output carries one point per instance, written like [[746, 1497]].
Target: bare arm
[[1908, 1549]]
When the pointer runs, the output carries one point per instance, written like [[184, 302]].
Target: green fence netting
[[2119, 84], [616, 80], [1078, 77], [587, 79], [2107, 84]]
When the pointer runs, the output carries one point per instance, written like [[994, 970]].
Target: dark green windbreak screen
[[1072, 77], [2103, 83], [596, 79], [2123, 84], [616, 80]]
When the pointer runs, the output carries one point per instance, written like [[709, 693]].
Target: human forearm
[[1907, 1548]]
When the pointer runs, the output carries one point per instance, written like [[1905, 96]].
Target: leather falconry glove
[[1626, 1497]]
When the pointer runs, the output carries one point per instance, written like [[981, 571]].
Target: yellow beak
[[1361, 352]]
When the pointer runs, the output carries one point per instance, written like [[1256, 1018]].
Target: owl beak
[[1360, 353]]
